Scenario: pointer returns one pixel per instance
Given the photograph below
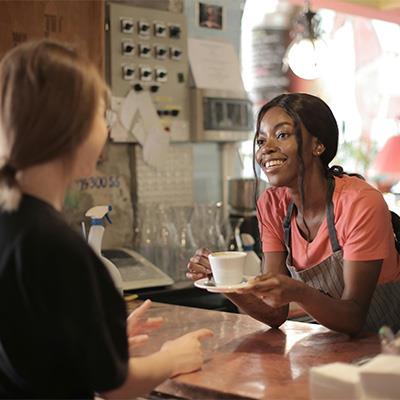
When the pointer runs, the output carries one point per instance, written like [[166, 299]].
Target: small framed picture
[[210, 16]]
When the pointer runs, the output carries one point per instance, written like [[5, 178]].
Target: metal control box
[[147, 51], [220, 115]]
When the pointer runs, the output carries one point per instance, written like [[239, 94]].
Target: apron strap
[[330, 216], [286, 224]]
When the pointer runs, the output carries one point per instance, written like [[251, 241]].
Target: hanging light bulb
[[307, 54]]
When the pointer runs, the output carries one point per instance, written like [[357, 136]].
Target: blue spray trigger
[[107, 216], [98, 213]]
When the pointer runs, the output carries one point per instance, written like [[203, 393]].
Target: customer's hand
[[185, 352], [138, 327], [199, 266]]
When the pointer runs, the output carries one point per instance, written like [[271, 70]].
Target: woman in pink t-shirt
[[327, 237]]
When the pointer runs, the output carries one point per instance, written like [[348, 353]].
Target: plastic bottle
[[253, 263], [95, 238]]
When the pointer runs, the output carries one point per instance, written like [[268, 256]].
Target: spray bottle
[[253, 263], [95, 238]]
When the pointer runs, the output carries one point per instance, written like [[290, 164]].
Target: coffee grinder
[[242, 211]]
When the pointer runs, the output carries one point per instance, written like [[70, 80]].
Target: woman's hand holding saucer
[[276, 290]]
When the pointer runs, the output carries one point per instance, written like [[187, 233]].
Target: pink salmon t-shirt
[[362, 222]]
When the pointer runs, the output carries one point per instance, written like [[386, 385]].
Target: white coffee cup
[[227, 267]]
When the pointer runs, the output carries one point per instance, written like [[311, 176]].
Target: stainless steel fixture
[[242, 210], [241, 193], [220, 115]]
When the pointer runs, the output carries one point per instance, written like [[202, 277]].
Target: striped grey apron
[[327, 276]]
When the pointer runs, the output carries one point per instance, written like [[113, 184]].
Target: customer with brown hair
[[63, 330]]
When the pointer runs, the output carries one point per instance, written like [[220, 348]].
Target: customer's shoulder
[[40, 224], [58, 236]]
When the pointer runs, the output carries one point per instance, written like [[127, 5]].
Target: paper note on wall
[[138, 115], [156, 143], [214, 65], [131, 116], [119, 134]]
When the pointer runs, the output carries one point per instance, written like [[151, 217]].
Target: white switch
[[144, 28], [127, 25], [146, 73], [160, 29], [176, 53], [144, 50], [161, 52], [127, 48], [161, 75], [128, 72]]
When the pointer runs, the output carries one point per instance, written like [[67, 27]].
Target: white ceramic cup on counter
[[227, 267]]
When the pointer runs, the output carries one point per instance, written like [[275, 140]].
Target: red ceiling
[[392, 15]]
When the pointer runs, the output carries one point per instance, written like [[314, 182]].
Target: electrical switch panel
[[147, 52]]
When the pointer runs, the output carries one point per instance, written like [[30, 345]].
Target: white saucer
[[203, 284]]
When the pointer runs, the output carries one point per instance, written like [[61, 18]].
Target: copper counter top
[[246, 359]]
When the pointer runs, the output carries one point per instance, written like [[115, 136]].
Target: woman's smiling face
[[277, 146]]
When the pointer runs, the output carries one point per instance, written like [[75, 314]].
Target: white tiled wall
[[172, 183]]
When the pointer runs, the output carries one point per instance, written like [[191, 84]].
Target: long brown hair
[[49, 95]]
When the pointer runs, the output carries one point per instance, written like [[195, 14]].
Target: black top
[[62, 321]]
